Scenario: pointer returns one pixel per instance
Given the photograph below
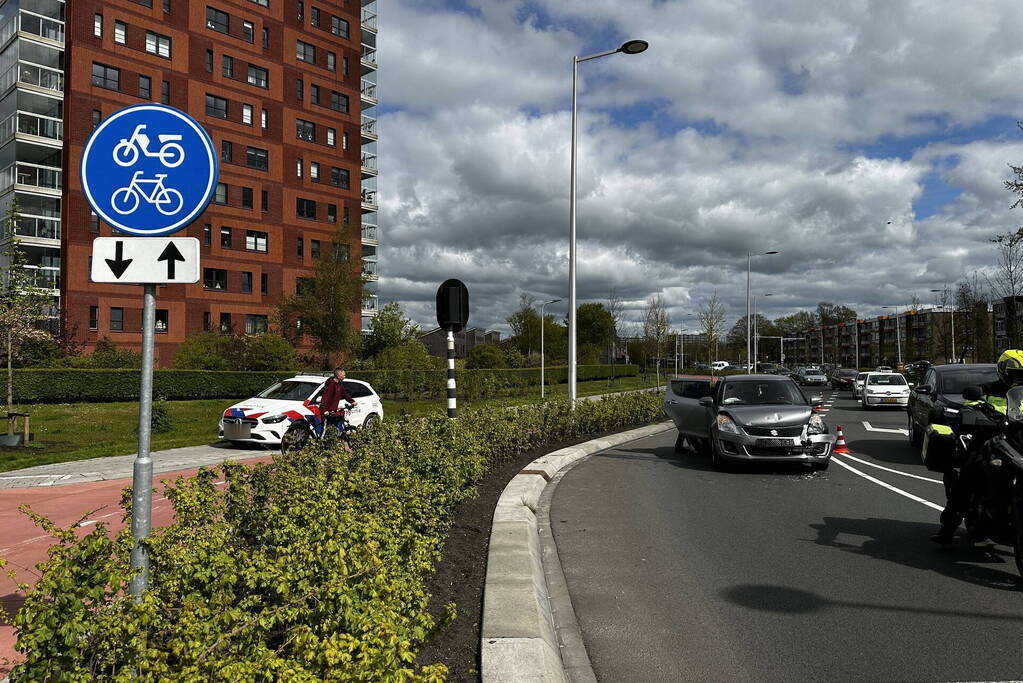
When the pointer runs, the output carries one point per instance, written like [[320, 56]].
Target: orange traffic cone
[[840, 446]]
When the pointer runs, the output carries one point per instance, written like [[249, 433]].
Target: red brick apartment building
[[286, 90]]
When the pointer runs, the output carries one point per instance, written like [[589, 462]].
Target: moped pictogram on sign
[[149, 170]]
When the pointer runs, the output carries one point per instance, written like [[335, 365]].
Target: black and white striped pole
[[452, 315]]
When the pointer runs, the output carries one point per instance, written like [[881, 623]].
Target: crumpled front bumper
[[745, 448]]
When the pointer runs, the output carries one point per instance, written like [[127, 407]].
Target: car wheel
[[716, 461], [863, 403], [915, 438], [370, 422], [680, 444]]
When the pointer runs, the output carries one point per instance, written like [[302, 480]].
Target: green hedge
[[76, 385], [308, 568]]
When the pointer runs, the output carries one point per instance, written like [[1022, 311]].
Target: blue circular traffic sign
[[149, 170]]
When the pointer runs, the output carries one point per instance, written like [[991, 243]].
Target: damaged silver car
[[748, 418]]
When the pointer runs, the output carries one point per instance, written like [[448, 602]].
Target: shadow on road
[[692, 460], [908, 543], [887, 450]]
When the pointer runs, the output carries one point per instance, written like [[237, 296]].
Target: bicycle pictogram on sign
[[149, 170]]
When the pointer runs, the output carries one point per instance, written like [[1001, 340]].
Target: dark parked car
[[748, 418], [843, 379], [939, 397], [767, 368]]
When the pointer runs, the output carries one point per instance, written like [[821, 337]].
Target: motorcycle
[[990, 447]]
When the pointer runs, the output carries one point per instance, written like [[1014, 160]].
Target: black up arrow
[[118, 264], [170, 255]]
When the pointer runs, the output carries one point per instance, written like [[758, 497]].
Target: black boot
[[945, 535]]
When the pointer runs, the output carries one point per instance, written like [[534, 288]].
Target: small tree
[[712, 325], [389, 328], [656, 326], [484, 356], [22, 304], [525, 326]]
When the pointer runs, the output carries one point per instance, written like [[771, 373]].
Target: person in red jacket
[[333, 394]]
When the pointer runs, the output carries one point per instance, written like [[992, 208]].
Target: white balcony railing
[[44, 278], [50, 29], [369, 19], [31, 124], [369, 127], [33, 226], [369, 197], [30, 175], [369, 55], [32, 74], [370, 233], [369, 161], [369, 90]]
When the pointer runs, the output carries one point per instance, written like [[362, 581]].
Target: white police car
[[264, 418]]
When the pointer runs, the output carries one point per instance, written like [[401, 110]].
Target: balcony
[[369, 20], [31, 124], [36, 25], [371, 305], [369, 164], [44, 278], [369, 269], [369, 200], [369, 92], [369, 57], [369, 129], [30, 176], [36, 227], [24, 73], [370, 234]]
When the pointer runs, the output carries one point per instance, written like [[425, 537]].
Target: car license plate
[[774, 442], [233, 430], [889, 400]]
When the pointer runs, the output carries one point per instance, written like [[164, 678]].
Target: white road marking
[[869, 428], [886, 485], [888, 469]]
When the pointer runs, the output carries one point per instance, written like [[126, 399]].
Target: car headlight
[[726, 425], [274, 419], [816, 425]]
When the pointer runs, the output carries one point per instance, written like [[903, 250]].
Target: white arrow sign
[[145, 260]]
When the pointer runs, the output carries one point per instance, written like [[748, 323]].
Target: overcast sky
[[867, 141]]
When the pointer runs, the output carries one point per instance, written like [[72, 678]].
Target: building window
[[314, 94], [304, 52], [266, 38], [145, 87], [106, 76], [216, 106], [157, 44], [120, 32], [145, 3], [305, 130], [225, 323], [214, 278], [264, 200], [301, 10], [246, 197], [339, 178], [207, 234], [220, 195], [97, 117], [344, 141], [256, 158], [207, 321], [226, 151], [217, 20], [339, 27], [314, 18], [314, 248], [331, 137], [209, 61], [165, 92], [331, 61], [248, 31], [300, 249], [338, 102], [261, 3], [93, 222], [257, 76], [344, 66], [227, 66], [97, 30], [255, 324], [247, 114], [225, 238], [162, 321], [255, 240], [166, 6], [93, 317], [332, 213], [116, 319], [264, 118], [246, 282], [264, 283], [299, 89], [344, 214], [299, 163], [314, 171]]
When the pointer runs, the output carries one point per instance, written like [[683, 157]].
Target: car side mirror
[[816, 401], [973, 393], [924, 389], [707, 401]]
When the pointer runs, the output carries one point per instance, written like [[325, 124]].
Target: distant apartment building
[[287, 92], [436, 341]]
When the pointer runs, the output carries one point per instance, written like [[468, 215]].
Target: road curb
[[519, 640]]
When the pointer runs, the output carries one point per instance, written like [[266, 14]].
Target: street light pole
[[756, 332], [749, 276], [631, 47], [552, 301]]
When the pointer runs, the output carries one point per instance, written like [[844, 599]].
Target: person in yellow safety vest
[[958, 483]]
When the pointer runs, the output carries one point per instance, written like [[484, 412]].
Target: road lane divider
[[885, 430], [886, 485], [888, 469]]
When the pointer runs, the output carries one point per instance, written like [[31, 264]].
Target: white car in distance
[[884, 389], [858, 384], [264, 418]]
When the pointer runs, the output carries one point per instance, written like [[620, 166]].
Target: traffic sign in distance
[[149, 170], [147, 260]]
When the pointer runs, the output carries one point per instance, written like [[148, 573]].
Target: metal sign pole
[[142, 481], [452, 400]]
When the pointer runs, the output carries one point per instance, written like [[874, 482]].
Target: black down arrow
[[118, 264], [170, 255]]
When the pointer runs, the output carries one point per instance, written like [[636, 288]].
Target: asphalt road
[[679, 572]]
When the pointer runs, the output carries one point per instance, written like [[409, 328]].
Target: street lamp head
[[634, 47], [768, 253], [552, 301]]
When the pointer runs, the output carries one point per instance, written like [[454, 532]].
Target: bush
[[108, 355], [251, 352], [41, 351], [311, 567], [160, 421], [484, 356], [411, 355], [204, 351]]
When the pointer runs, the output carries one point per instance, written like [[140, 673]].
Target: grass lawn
[[66, 432]]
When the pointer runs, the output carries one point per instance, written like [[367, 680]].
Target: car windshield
[[862, 377], [954, 381], [290, 390], [886, 380], [752, 393]]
